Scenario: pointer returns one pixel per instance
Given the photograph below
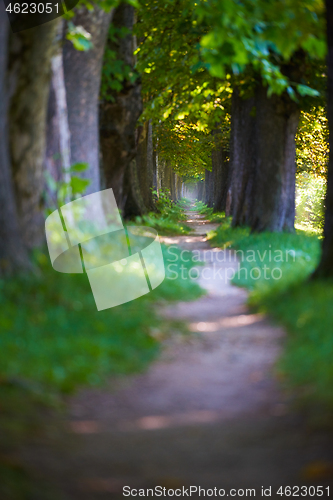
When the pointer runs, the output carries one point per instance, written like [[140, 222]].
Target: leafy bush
[[169, 218]]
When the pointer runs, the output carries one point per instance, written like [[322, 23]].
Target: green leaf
[[79, 37], [305, 90], [79, 185], [79, 167]]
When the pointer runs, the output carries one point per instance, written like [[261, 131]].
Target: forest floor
[[208, 412]]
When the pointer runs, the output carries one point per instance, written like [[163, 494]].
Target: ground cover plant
[[169, 218], [208, 212]]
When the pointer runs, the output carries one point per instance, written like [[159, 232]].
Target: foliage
[[115, 72], [249, 33], [69, 188], [312, 142], [183, 100], [304, 307], [184, 203], [169, 219], [310, 199], [79, 37]]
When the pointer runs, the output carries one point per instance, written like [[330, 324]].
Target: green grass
[[302, 306], [170, 218], [53, 341], [53, 336], [208, 212], [165, 224]]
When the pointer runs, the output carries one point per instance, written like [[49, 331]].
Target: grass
[[170, 218], [208, 212], [59, 340], [275, 267], [53, 341]]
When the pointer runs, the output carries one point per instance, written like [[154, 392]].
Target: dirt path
[[208, 412]]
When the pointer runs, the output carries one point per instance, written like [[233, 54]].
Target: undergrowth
[[170, 217], [208, 212]]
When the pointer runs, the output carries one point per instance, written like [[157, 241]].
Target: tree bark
[[200, 193], [144, 163], [274, 194], [82, 79], [209, 188], [13, 253], [263, 161], [220, 170], [58, 148], [325, 267], [134, 201], [118, 118], [242, 153], [30, 71]]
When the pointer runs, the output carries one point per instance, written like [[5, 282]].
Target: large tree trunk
[[118, 118], [274, 197], [325, 268], [82, 79], [263, 161], [13, 254], [30, 71], [242, 144]]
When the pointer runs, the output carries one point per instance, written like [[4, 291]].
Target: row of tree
[[148, 97]]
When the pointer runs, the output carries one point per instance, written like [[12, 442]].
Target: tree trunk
[[134, 201], [274, 194], [118, 118], [263, 163], [200, 194], [241, 157], [179, 185], [144, 162], [13, 254], [58, 149], [220, 170], [82, 79], [30, 70], [209, 188], [325, 267]]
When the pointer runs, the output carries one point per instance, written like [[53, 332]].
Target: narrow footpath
[[208, 412]]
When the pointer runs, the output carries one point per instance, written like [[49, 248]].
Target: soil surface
[[209, 412]]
